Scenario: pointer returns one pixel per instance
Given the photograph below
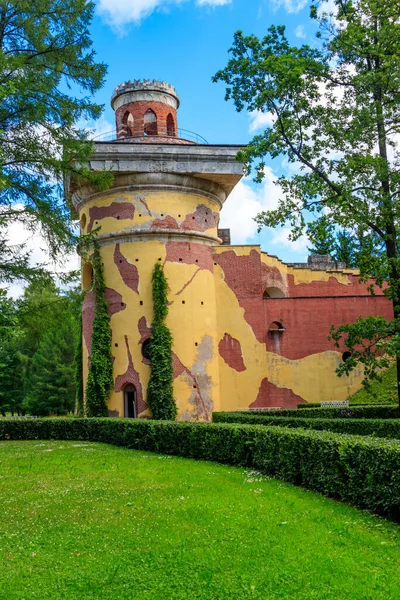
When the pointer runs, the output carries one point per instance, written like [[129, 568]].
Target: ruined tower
[[169, 187]]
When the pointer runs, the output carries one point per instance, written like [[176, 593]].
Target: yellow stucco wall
[[205, 308], [192, 311]]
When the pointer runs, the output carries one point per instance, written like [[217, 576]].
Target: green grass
[[381, 392], [88, 521]]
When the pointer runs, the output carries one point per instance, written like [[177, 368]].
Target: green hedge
[[385, 428], [353, 412], [361, 470]]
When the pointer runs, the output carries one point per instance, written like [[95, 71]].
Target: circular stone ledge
[[158, 182], [163, 235]]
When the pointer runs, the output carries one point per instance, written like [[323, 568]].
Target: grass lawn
[[88, 521]]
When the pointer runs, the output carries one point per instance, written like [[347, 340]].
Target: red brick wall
[[332, 287], [307, 321], [137, 109]]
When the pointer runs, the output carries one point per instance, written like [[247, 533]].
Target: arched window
[[146, 349], [273, 292], [130, 411], [83, 223], [128, 122], [87, 276], [150, 123], [276, 326], [170, 125]]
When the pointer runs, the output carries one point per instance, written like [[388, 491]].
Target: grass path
[[88, 521]]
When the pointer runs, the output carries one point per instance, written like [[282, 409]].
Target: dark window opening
[[128, 121], [345, 356], [273, 292], [130, 409], [276, 326], [87, 276], [150, 123], [170, 125], [146, 348], [83, 222]]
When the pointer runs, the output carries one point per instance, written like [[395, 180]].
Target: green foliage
[[24, 324], [100, 379], [360, 470], [78, 367], [46, 62], [52, 387], [321, 234], [334, 110], [383, 428], [352, 412], [160, 395], [381, 391]]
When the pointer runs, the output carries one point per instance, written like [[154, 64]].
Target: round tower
[[163, 207]]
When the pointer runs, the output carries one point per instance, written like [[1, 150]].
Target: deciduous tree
[[335, 113]]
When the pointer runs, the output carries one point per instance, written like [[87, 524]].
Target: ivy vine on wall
[[100, 379], [79, 371], [160, 397]]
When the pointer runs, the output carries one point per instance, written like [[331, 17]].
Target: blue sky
[[185, 42]]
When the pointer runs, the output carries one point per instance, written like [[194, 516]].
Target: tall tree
[[52, 388], [345, 248], [46, 62], [335, 111], [321, 234]]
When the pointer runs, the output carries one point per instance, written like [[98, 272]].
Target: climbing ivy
[[160, 397], [100, 378], [79, 371]]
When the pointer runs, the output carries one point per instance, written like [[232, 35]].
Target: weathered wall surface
[[134, 235], [261, 368]]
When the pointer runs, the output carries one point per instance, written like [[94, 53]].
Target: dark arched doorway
[[130, 407]]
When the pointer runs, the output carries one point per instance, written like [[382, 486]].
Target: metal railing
[[185, 134]]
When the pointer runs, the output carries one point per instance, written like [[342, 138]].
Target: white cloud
[[213, 2], [291, 6], [245, 202], [98, 130], [300, 33], [281, 237], [119, 13], [260, 120], [18, 234]]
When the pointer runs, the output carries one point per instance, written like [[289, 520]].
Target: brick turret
[[146, 109]]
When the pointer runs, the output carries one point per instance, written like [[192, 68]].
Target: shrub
[[361, 470], [352, 412], [386, 428]]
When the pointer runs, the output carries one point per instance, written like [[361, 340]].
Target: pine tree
[[322, 235], [46, 66], [52, 379], [345, 248]]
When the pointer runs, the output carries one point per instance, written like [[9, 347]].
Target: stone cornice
[[164, 235], [214, 164], [158, 182]]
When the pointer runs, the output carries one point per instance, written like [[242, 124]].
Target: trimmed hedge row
[[385, 428], [352, 412], [361, 470]]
